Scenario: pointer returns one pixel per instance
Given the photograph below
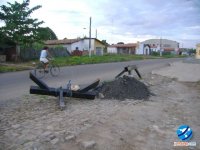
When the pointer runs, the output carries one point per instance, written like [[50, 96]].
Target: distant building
[[157, 45], [198, 51], [79, 44], [129, 48], [8, 50]]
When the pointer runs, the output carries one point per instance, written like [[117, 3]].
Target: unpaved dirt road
[[35, 122]]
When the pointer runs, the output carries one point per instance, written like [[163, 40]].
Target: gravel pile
[[125, 88]]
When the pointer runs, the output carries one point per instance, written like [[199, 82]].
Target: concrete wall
[[140, 49], [28, 54]]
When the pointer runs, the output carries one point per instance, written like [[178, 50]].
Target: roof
[[67, 41], [169, 49], [64, 41], [124, 45], [163, 40]]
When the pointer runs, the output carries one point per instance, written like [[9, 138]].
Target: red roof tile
[[124, 45], [64, 41], [169, 49]]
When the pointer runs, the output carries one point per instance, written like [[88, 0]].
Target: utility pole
[[96, 33], [84, 35], [90, 37], [160, 46]]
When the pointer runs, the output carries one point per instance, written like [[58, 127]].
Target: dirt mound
[[125, 88]]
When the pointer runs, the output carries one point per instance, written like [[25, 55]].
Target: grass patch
[[79, 60], [10, 68], [173, 56]]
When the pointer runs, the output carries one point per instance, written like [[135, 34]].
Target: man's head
[[46, 48]]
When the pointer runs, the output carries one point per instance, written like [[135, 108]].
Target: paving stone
[[16, 126], [87, 144], [22, 141], [46, 139], [52, 136], [28, 145], [70, 137], [50, 127], [60, 132], [36, 146], [15, 134], [46, 134], [54, 141]]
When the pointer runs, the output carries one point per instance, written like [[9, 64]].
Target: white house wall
[[140, 49], [165, 43], [78, 45], [112, 50], [86, 44], [83, 45]]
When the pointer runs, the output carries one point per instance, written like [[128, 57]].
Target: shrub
[[155, 53]]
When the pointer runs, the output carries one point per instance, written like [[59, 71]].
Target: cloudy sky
[[122, 20]]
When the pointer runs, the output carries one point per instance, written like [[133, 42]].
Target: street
[[16, 84]]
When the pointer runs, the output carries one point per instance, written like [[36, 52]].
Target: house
[[79, 44], [198, 51], [157, 45], [8, 51], [122, 48], [145, 47]]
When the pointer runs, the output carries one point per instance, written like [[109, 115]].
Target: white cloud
[[119, 20]]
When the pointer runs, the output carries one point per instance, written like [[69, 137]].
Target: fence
[[28, 54]]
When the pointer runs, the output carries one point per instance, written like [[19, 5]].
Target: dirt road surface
[[36, 122]]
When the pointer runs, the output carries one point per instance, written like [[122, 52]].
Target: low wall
[[28, 54]]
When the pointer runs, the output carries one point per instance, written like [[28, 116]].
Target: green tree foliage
[[105, 42], [19, 26], [120, 43], [47, 34], [106, 45]]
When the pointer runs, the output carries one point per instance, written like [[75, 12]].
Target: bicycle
[[53, 68]]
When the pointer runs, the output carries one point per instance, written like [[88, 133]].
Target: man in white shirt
[[44, 56]]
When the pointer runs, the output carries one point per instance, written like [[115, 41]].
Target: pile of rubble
[[125, 87]]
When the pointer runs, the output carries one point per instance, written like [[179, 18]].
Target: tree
[[105, 42], [120, 43], [106, 45], [19, 26], [47, 34]]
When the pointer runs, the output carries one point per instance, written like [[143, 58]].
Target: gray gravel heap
[[125, 88]]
